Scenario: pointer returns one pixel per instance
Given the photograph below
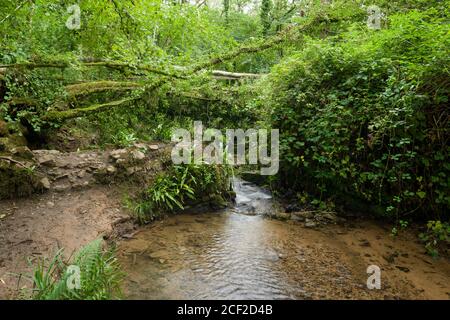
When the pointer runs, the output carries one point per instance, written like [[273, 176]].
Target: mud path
[[83, 201], [38, 227]]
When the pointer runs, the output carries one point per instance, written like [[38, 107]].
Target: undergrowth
[[179, 186], [100, 275]]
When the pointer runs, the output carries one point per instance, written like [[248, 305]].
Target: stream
[[235, 253], [239, 253]]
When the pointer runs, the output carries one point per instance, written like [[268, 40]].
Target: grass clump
[[182, 185]]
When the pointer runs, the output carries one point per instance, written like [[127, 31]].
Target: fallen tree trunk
[[258, 46], [106, 64], [59, 116], [219, 74], [182, 73]]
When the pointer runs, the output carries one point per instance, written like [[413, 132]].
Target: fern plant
[[100, 276]]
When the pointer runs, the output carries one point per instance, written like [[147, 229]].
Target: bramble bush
[[364, 115]]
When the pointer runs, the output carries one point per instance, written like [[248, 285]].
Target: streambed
[[232, 254], [238, 253]]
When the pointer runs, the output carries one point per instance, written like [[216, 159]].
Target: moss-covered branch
[[106, 64], [60, 116], [289, 33], [183, 72], [86, 88]]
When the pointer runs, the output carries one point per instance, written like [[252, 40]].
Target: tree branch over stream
[[291, 33]]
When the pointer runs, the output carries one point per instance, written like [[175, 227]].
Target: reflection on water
[[234, 254]]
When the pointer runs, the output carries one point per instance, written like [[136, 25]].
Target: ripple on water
[[223, 255]]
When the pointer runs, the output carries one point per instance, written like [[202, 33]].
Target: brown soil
[[405, 266], [407, 272], [39, 226], [84, 200]]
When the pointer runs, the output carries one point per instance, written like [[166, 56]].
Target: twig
[[14, 161]]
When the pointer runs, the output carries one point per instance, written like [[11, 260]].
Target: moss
[[61, 116], [17, 140], [22, 102], [17, 182], [4, 144], [99, 86], [11, 142], [22, 152]]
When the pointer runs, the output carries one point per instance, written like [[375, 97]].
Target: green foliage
[[145, 31], [436, 236], [151, 32], [358, 115], [122, 128], [401, 225], [17, 181], [30, 94], [99, 271], [124, 139], [181, 185], [266, 6]]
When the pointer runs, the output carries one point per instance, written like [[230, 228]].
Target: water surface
[[232, 254]]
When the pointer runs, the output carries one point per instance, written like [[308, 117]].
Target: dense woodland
[[363, 112]]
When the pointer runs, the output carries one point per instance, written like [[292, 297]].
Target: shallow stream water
[[236, 253]]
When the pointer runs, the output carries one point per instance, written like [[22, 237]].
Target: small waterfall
[[251, 199]]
